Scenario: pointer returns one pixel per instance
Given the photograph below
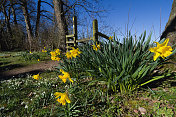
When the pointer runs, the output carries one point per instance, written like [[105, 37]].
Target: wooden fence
[[73, 38]]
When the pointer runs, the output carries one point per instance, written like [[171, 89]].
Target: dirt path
[[35, 68]]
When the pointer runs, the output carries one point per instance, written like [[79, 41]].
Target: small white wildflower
[[2, 108], [22, 103], [26, 106]]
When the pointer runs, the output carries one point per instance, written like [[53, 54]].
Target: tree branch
[[47, 11], [47, 17], [48, 4]]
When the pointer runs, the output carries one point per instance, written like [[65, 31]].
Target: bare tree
[[27, 21]]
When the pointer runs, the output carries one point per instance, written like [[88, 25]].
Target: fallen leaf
[[142, 110], [136, 111]]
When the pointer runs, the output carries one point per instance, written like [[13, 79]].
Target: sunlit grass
[[11, 60], [29, 97], [89, 97]]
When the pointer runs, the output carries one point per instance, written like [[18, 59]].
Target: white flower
[[26, 106]]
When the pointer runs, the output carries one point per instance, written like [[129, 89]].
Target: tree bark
[[38, 18], [61, 22], [170, 28], [7, 19], [13, 12], [27, 21]]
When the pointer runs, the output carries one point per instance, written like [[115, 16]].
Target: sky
[[141, 15]]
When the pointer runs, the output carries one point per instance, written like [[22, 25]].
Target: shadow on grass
[[167, 80], [9, 67], [4, 63], [21, 75]]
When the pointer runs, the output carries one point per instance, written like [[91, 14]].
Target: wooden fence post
[[72, 36], [95, 30], [75, 30], [67, 43]]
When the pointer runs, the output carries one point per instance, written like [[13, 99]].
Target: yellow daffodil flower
[[96, 47], [75, 52], [57, 51], [62, 98], [53, 53], [111, 38], [43, 50], [38, 60], [161, 50], [37, 77], [57, 58], [64, 76], [53, 58], [68, 55]]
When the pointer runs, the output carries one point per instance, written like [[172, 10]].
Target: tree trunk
[[170, 28], [8, 39], [38, 18], [13, 12], [7, 20], [28, 24], [61, 22]]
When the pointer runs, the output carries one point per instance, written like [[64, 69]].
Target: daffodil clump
[[73, 53], [96, 47], [162, 50], [55, 54], [124, 67], [63, 97]]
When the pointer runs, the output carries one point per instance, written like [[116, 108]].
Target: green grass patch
[[29, 97], [11, 60]]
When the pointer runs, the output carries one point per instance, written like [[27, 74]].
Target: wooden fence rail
[[73, 38]]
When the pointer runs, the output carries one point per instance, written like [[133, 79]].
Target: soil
[[31, 69]]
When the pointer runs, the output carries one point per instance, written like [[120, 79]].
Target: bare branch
[[47, 17], [87, 10], [47, 11], [48, 4]]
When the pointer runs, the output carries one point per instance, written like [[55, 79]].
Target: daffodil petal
[[152, 49], [156, 55], [70, 79], [67, 100], [165, 42], [167, 53], [57, 94]]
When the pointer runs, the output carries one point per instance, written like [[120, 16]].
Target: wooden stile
[[74, 38]]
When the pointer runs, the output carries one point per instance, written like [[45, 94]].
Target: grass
[[29, 97], [11, 60]]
